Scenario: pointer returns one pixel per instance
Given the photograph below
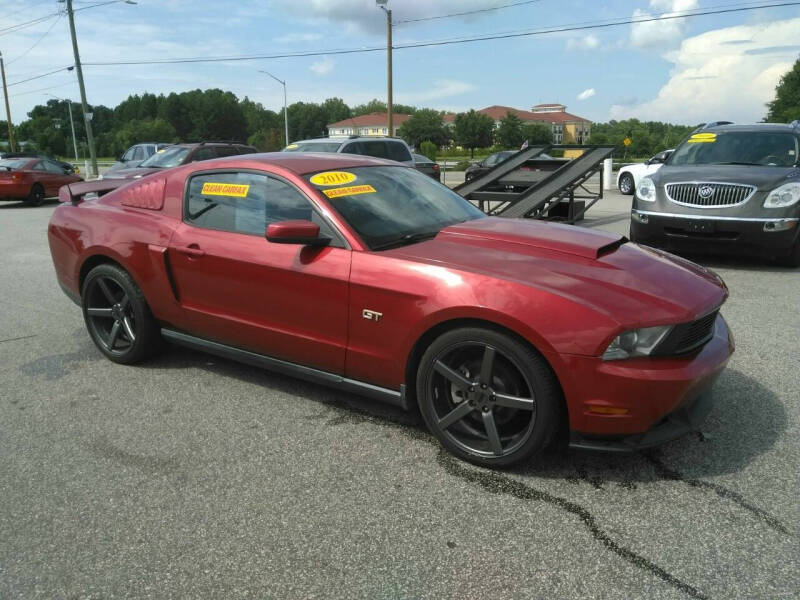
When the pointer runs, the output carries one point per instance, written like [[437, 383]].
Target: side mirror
[[296, 232]]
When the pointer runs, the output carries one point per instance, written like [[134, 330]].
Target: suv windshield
[[392, 206], [313, 147], [764, 148], [164, 159]]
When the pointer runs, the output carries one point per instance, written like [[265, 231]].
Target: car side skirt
[[381, 394]]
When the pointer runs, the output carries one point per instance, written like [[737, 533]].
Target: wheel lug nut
[[483, 385], [471, 388]]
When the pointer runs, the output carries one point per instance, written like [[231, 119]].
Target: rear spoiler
[[74, 192]]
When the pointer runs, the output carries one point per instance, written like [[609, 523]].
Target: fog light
[[781, 225], [643, 219]]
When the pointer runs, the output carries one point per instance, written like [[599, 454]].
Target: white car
[[628, 177]]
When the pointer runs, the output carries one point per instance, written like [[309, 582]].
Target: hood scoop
[[566, 239]]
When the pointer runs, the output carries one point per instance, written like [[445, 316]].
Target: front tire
[[626, 184], [36, 196], [117, 316], [489, 398]]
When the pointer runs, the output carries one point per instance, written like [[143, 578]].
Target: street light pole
[[8, 109], [285, 108], [381, 4], [71, 124], [84, 104]]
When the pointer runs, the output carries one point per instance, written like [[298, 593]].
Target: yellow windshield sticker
[[703, 138], [333, 178], [236, 190], [353, 190], [292, 146]]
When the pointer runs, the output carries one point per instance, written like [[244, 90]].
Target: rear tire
[[626, 184], [117, 316], [489, 398], [36, 197]]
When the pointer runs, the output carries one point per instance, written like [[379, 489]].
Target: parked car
[[33, 179], [423, 164], [731, 189], [181, 154], [491, 161], [136, 154], [67, 166], [628, 177], [378, 147], [365, 275]]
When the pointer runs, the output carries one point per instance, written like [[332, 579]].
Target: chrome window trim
[[716, 218], [753, 190]]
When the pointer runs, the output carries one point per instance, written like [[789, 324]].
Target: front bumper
[[767, 237], [637, 403]]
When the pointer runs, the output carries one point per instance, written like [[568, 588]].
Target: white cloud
[[586, 94], [295, 38], [442, 88], [588, 42], [323, 67], [660, 33], [717, 77]]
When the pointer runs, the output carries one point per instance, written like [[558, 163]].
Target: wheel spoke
[[491, 431], [514, 402], [99, 312], [126, 326], [113, 335], [458, 413], [123, 304], [487, 365], [106, 291], [454, 377]]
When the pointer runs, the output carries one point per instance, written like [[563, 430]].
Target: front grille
[[709, 195], [688, 336]]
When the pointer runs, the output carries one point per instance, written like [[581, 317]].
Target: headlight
[[636, 342], [786, 195], [646, 190]]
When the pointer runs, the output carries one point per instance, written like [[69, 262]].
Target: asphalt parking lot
[[192, 476]]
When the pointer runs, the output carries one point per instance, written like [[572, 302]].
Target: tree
[[270, 140], [537, 133], [785, 108], [426, 125], [336, 109], [509, 132], [306, 120], [473, 130], [379, 106]]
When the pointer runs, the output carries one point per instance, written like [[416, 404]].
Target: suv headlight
[[636, 342], [786, 195], [646, 190]]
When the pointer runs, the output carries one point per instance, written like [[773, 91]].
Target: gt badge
[[371, 315]]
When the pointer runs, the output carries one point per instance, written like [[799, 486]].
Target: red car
[[369, 276], [32, 179]]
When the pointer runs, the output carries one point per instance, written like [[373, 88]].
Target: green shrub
[[461, 165], [428, 149]]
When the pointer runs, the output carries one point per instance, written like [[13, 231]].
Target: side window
[[353, 148], [39, 166], [227, 151], [376, 149], [138, 153], [52, 167], [128, 155], [398, 151], [245, 150], [204, 154]]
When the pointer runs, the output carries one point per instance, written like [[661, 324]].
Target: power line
[[468, 12], [459, 40], [52, 87], [36, 43], [69, 68], [18, 26]]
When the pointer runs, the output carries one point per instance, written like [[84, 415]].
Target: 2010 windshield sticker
[[290, 146], [333, 178], [236, 190], [352, 190], [703, 138]]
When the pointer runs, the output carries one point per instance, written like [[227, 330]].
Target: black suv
[[379, 147], [726, 189], [180, 154]]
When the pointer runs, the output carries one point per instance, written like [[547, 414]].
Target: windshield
[[392, 206], [164, 159], [778, 149], [313, 147], [14, 163]]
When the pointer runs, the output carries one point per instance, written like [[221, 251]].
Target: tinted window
[[398, 151], [377, 149], [204, 154], [138, 153], [313, 147], [128, 155], [164, 159], [353, 148], [39, 166], [52, 167], [246, 203], [737, 147]]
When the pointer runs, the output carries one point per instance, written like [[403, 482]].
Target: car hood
[[129, 173], [764, 178], [632, 285]]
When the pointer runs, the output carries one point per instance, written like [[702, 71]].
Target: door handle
[[192, 250]]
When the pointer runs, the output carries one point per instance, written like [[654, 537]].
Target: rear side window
[[204, 154], [227, 151], [398, 152], [246, 203], [376, 149], [138, 153]]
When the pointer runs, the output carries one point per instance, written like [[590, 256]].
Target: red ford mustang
[[369, 276]]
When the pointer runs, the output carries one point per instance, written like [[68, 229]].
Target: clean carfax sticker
[[333, 178], [353, 190], [237, 190], [703, 138]]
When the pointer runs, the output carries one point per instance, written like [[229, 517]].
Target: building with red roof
[[367, 125]]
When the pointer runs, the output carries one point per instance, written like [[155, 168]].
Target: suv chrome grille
[[709, 195]]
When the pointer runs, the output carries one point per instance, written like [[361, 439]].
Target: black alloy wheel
[[117, 316], [489, 398], [36, 197], [626, 185]]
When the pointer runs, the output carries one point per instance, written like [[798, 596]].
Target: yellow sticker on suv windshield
[[333, 178], [352, 190], [703, 138], [290, 146], [236, 190]]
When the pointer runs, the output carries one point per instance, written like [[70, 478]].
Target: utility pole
[[71, 124], [86, 120], [8, 108], [381, 4], [285, 108]]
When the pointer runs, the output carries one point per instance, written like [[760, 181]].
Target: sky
[[689, 70]]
